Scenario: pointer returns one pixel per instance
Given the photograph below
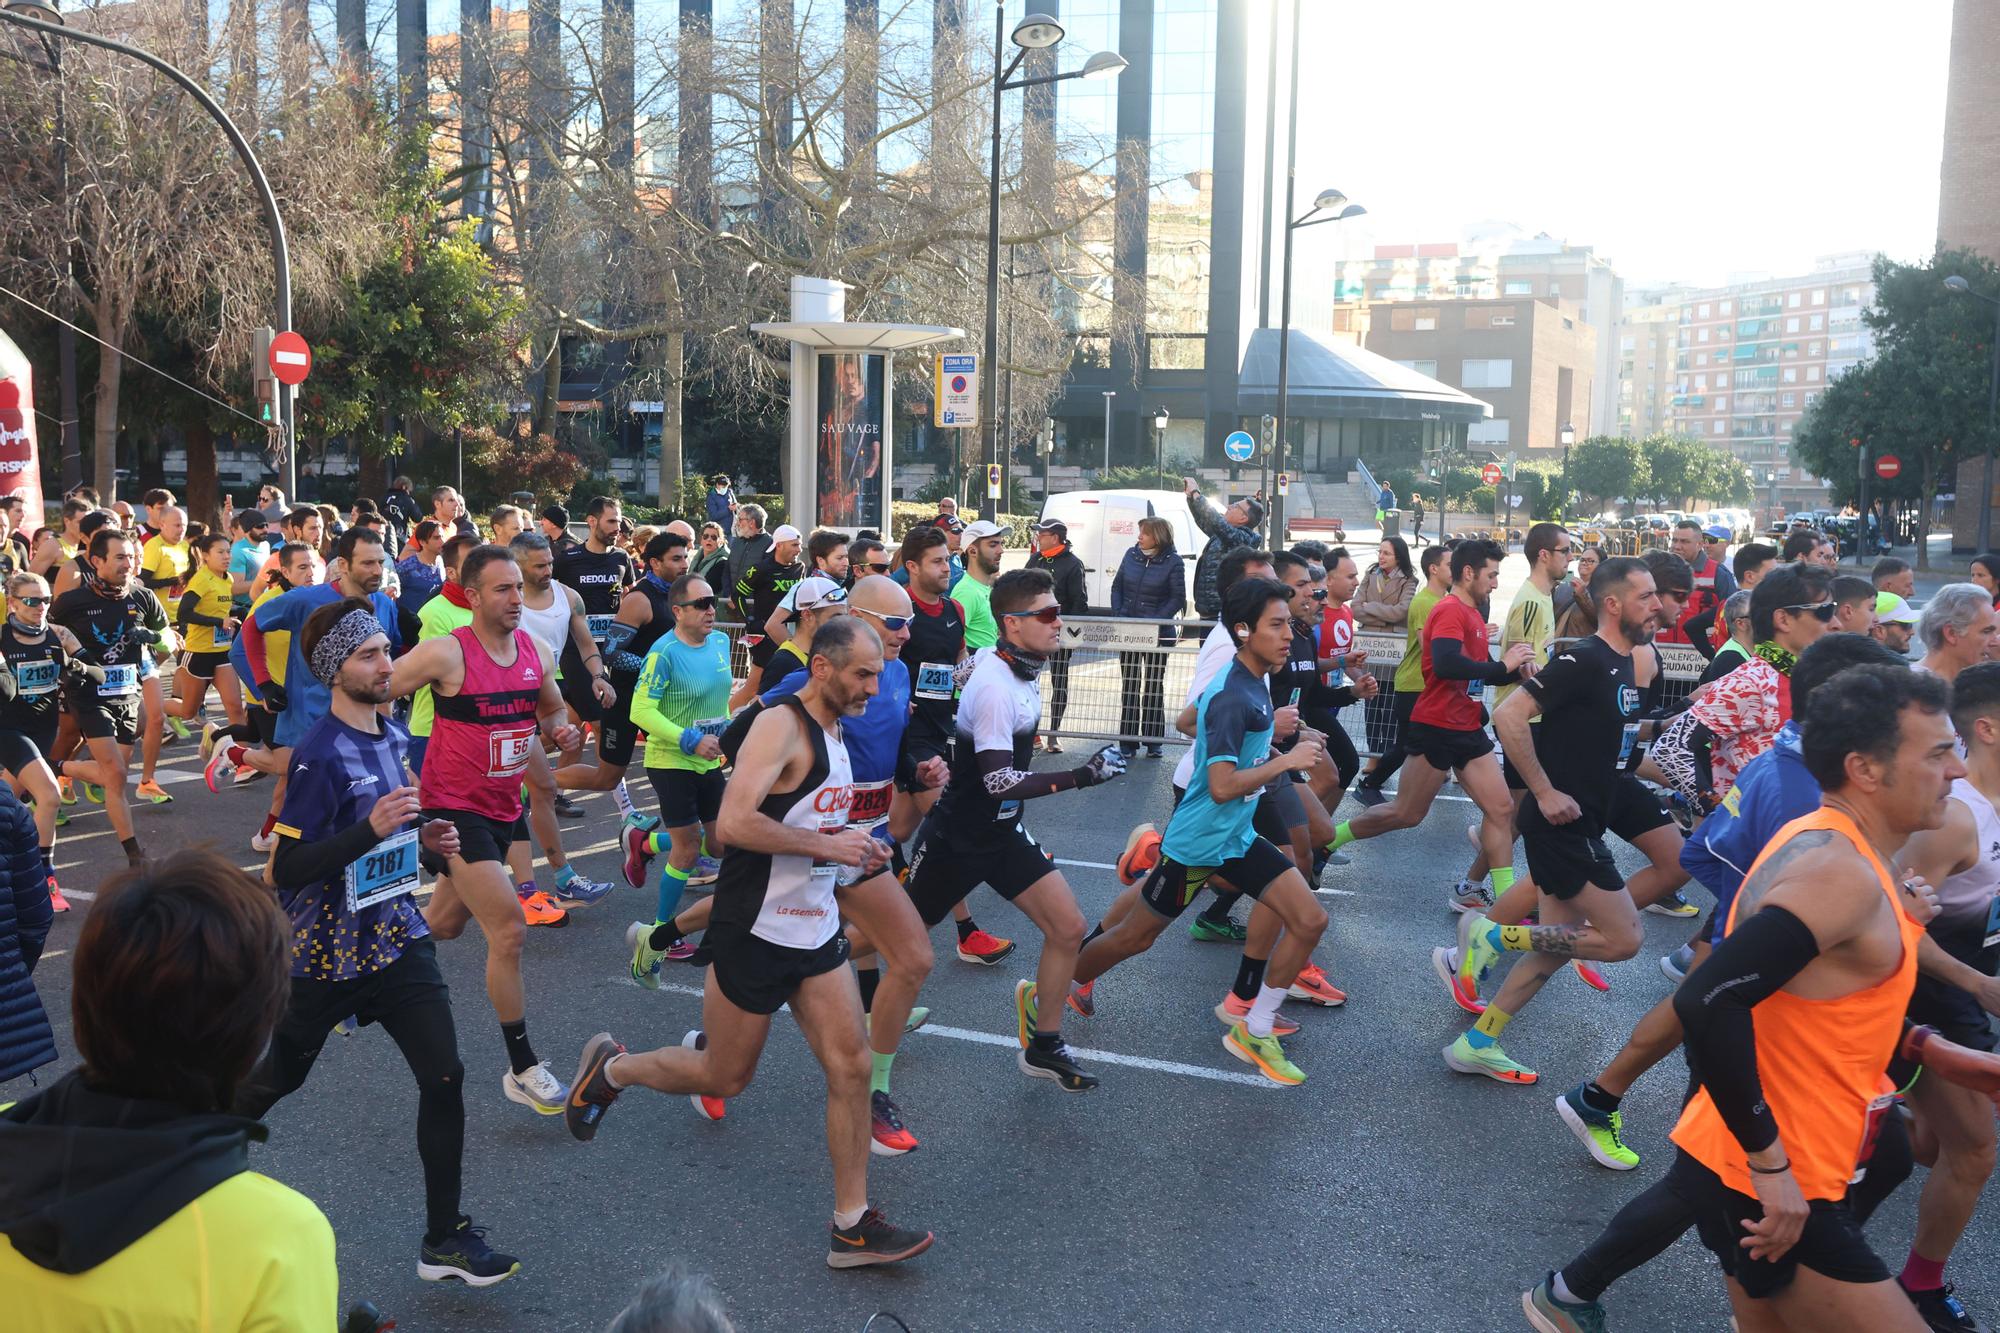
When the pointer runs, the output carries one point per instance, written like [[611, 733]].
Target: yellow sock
[[1516, 939], [1503, 879]]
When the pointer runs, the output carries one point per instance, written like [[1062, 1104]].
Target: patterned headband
[[338, 644]]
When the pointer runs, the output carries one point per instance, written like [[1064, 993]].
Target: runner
[[251, 750], [1211, 830], [599, 571], [1957, 628], [492, 683], [758, 593], [644, 614], [345, 868], [826, 558], [114, 621], [983, 541], [777, 941], [35, 660], [974, 834], [208, 624], [1589, 704], [1409, 680]]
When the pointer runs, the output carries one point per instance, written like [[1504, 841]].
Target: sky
[[1689, 142]]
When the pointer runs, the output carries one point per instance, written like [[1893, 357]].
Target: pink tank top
[[483, 735]]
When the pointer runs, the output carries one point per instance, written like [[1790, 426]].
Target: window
[[1812, 374], [1816, 323], [1701, 358], [1701, 312], [1487, 432], [1721, 404], [1701, 335], [1490, 374], [1815, 349], [1715, 427], [1794, 302], [1700, 383], [1423, 323], [1517, 287], [1429, 368], [1788, 400], [1724, 308], [1792, 324], [1809, 399], [1381, 291], [1626, 343], [1791, 374], [1502, 321], [1819, 296]]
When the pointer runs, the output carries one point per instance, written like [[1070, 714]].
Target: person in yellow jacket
[[126, 1194]]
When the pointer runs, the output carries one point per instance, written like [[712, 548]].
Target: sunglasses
[[1048, 615], [1319, 594], [876, 569], [697, 604], [1563, 550], [1821, 611], [894, 624], [32, 601]]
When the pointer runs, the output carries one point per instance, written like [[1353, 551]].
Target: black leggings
[[426, 1036], [1643, 1229], [1058, 688]]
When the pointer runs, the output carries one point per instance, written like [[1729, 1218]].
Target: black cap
[[557, 515]]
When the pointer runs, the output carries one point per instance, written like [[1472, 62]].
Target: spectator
[[677, 1301], [180, 976], [26, 1043], [712, 552], [1052, 552], [554, 523], [1589, 556], [1383, 600], [747, 549], [948, 507], [402, 506], [448, 508], [1893, 575], [1416, 516], [1713, 585], [331, 527], [1385, 500], [1151, 584], [1231, 529], [1800, 544], [721, 499], [1985, 572], [505, 523], [422, 571]]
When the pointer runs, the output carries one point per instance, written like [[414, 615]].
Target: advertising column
[[20, 468], [852, 415]]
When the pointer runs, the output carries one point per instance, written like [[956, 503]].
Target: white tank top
[[1969, 902], [551, 623], [789, 900]]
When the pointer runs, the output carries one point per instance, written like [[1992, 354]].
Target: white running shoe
[[537, 1089], [264, 843], [1470, 896]]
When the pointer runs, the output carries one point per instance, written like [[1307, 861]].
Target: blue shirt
[[875, 739], [1772, 790], [1233, 723], [337, 775], [306, 699], [420, 582], [245, 559]]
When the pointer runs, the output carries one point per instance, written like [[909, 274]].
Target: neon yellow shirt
[[214, 592], [976, 600], [1530, 620], [166, 562], [438, 618]]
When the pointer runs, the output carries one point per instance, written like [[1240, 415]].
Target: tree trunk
[[549, 394], [1925, 508], [104, 451], [203, 502], [371, 475], [671, 423]]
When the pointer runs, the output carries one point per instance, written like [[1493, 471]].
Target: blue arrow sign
[[1238, 446]]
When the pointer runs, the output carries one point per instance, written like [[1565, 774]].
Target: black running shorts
[[100, 719], [1445, 749], [1171, 886], [18, 752], [202, 665], [480, 838], [922, 748], [687, 797], [1953, 1012], [576, 692], [411, 981], [1831, 1245], [945, 868], [759, 977], [1635, 810], [617, 737], [1564, 858]]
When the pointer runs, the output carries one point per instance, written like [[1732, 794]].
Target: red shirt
[[1336, 632], [1445, 703]]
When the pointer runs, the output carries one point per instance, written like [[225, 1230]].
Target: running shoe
[[1942, 1311], [645, 969], [707, 870], [1263, 1052], [708, 1108], [180, 728], [1491, 1061], [1472, 835], [565, 807], [1681, 813], [1141, 854], [1312, 986], [1444, 962], [207, 747], [1334, 859], [1369, 795], [1470, 896], [890, 1137], [66, 791], [920, 1014], [464, 1256], [57, 903], [984, 949], [347, 1026], [535, 1088], [592, 1094], [873, 1241], [1592, 978], [1674, 905], [1057, 1065], [93, 793], [637, 854], [644, 823], [1226, 931], [212, 771], [1083, 998], [246, 775], [681, 950], [1233, 1010], [581, 891], [1678, 963], [1600, 1132], [541, 910], [264, 843], [152, 792], [62, 816], [1026, 1012], [1549, 1315], [1475, 956]]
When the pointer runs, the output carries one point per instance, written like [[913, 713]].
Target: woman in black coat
[[1151, 584], [26, 1041]]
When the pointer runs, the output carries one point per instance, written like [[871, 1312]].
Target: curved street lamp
[[1328, 206]]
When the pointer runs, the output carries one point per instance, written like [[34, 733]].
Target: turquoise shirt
[[1234, 722], [682, 693]]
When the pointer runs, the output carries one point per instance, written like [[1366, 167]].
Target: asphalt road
[[1386, 1193]]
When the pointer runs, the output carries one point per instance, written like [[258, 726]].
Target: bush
[[517, 462], [906, 514]]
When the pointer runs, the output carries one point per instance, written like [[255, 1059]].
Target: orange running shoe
[[705, 1106], [1233, 1011], [1312, 986], [56, 901], [984, 949], [1141, 854], [153, 792], [1591, 976], [541, 910]]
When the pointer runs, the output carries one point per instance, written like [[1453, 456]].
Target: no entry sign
[[291, 359], [1491, 474], [1888, 467]]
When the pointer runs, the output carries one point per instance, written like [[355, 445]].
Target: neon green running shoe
[[1475, 956], [1025, 1012], [645, 969], [1203, 931], [1600, 1132], [180, 728], [1489, 1060], [919, 1015], [1265, 1053], [93, 793]]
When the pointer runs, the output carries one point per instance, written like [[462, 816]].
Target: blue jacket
[[1772, 790], [718, 508], [26, 1041], [1150, 587]]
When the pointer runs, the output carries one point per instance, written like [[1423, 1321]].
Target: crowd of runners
[[428, 699]]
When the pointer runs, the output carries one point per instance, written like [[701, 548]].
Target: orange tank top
[[1821, 1062]]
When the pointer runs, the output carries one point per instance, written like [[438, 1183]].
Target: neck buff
[[20, 626], [455, 594], [1780, 658], [1026, 665]]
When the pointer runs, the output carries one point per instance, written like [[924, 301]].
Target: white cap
[[982, 528], [816, 591], [785, 533]]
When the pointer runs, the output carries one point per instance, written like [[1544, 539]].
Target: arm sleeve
[[645, 710], [1714, 1004], [1700, 749], [616, 655], [297, 863], [1007, 783], [1449, 662], [252, 635], [186, 614]]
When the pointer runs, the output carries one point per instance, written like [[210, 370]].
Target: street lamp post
[[69, 441], [1048, 443], [1035, 32], [45, 18], [1964, 288], [1160, 417], [1109, 394], [1567, 437]]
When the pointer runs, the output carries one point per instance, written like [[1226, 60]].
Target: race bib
[[119, 681], [36, 678], [1007, 810], [711, 726], [600, 627], [871, 803], [1627, 739], [387, 870], [934, 680], [828, 872], [507, 750], [1882, 1107]]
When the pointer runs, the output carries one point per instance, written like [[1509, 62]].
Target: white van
[[1103, 525]]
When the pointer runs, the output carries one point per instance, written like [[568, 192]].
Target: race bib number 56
[[507, 750]]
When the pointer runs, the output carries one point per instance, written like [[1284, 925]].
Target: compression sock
[[1095, 931], [1342, 835], [1512, 939], [1249, 976], [520, 1055], [899, 865], [1597, 1099], [965, 929], [133, 856], [658, 841], [1921, 1274], [623, 797], [1217, 912], [868, 978], [878, 1081], [1486, 1032], [234, 755], [666, 934], [564, 874], [1502, 879], [1263, 1009], [673, 883]]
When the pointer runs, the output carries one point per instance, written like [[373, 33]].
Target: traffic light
[[265, 382], [267, 400]]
